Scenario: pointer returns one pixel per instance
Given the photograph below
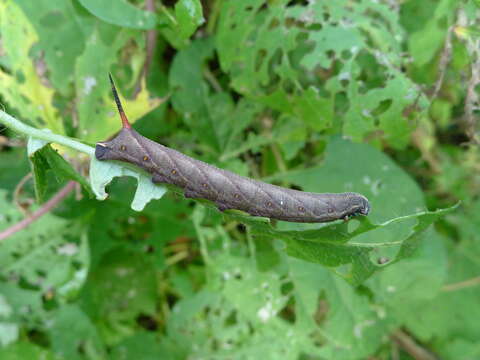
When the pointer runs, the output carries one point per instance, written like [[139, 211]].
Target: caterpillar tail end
[[125, 122]]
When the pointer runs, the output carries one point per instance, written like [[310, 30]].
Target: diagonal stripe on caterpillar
[[226, 189]]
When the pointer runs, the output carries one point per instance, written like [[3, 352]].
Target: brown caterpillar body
[[226, 189]]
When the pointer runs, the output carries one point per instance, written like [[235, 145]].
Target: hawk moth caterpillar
[[225, 189]]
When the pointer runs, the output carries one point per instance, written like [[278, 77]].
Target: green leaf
[[27, 305], [39, 166], [362, 118], [237, 313], [352, 329], [13, 166], [425, 43], [50, 254], [44, 158], [26, 350], [63, 28], [120, 288], [457, 295], [191, 92], [331, 244], [145, 343], [427, 270], [97, 116], [9, 331], [71, 342], [315, 110], [120, 12], [189, 16], [460, 349], [318, 57]]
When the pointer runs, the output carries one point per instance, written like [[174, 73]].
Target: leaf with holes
[[50, 254]]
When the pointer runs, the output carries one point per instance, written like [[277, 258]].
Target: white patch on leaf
[[88, 83], [358, 329], [266, 312], [68, 249]]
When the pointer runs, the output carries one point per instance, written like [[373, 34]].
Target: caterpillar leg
[[191, 194], [222, 207], [157, 178]]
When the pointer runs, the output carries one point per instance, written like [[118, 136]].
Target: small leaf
[[120, 12], [44, 158], [189, 16]]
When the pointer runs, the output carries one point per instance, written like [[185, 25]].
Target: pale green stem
[[20, 127]]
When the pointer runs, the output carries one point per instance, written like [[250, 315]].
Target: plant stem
[[20, 127], [49, 205], [18, 190], [411, 347], [462, 284]]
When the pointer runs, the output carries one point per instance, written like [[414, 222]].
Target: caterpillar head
[[357, 205], [121, 147]]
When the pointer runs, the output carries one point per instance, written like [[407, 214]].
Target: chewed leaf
[[29, 255], [146, 191], [102, 173], [22, 87], [331, 245]]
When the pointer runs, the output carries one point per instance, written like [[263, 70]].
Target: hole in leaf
[[346, 54], [382, 260], [39, 338], [260, 58], [273, 24], [238, 276], [231, 319], [382, 107], [286, 288], [241, 228], [322, 310], [147, 322], [288, 86], [41, 273], [287, 313], [298, 2]]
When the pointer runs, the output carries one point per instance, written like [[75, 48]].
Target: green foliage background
[[328, 96]]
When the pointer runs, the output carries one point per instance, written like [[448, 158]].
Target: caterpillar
[[225, 189]]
